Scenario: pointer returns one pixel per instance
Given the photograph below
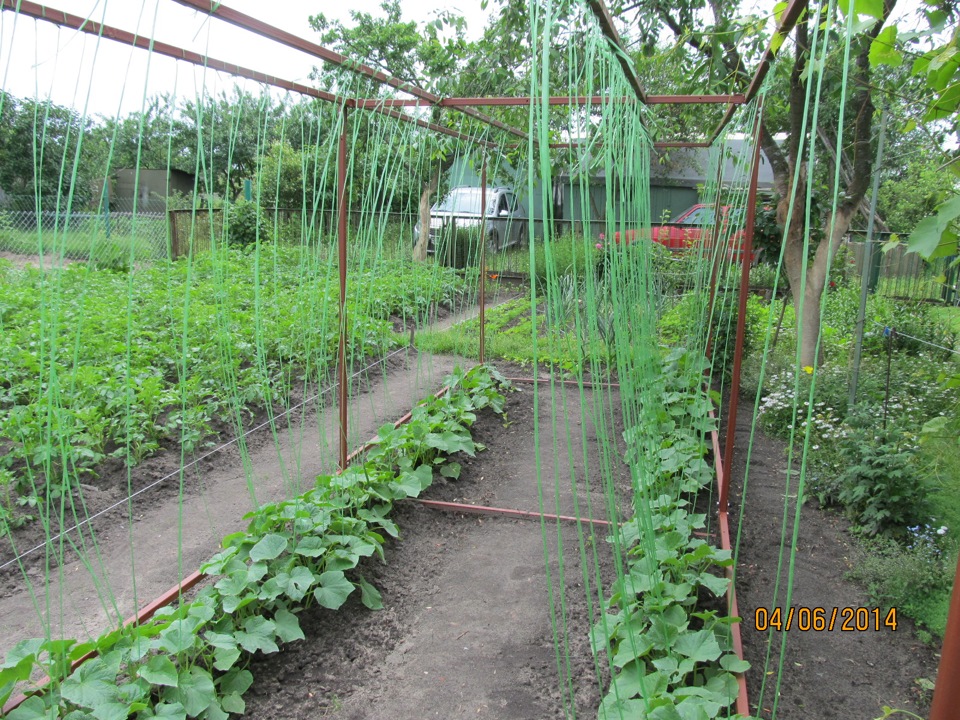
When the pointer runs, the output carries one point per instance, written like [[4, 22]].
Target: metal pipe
[[506, 512], [723, 526], [602, 13], [946, 693], [76, 22], [788, 19], [745, 251], [547, 381], [865, 275], [459, 102], [342, 262], [483, 257], [248, 22]]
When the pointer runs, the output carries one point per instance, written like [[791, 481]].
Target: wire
[[203, 457]]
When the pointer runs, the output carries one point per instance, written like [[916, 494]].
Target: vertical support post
[[342, 260], [866, 276], [745, 252], [946, 693], [714, 270], [483, 257]]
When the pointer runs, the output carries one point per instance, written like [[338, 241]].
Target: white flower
[[942, 530]]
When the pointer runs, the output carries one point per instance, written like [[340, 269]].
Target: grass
[[509, 336]]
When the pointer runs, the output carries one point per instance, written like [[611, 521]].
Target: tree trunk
[[807, 295], [429, 188]]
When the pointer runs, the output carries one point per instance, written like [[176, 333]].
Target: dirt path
[[825, 675], [123, 567], [468, 629]]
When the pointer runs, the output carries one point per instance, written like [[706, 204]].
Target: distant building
[[147, 189]]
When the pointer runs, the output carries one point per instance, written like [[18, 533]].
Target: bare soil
[[472, 603], [846, 675]]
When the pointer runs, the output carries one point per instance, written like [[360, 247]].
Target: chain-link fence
[[106, 236]]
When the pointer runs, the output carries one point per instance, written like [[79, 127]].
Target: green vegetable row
[[190, 659], [100, 364], [671, 659]]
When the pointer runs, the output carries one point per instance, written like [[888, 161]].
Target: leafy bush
[[880, 489], [246, 223], [910, 574]]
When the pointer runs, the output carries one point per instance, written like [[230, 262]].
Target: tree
[[728, 48], [433, 55], [939, 68], [39, 150], [222, 137]]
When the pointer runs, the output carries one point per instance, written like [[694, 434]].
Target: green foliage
[[914, 193], [880, 488], [246, 223], [913, 574], [190, 659], [110, 403], [661, 646]]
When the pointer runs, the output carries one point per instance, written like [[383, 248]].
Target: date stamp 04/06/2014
[[820, 619]]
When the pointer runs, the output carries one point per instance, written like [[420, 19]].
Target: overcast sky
[[38, 59]]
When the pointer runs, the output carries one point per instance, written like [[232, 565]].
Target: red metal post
[[483, 257], [946, 694], [745, 252], [342, 259]]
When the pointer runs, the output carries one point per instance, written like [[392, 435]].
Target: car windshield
[[700, 216], [464, 201]]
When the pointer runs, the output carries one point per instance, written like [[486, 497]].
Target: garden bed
[[466, 630], [838, 674]]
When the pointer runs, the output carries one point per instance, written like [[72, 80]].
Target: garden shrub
[[910, 575], [881, 489], [245, 223]]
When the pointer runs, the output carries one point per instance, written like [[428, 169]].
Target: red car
[[692, 226]]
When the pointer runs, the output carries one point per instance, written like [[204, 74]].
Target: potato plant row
[[100, 364]]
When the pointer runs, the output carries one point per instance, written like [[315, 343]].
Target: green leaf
[[369, 595], [233, 703], [731, 663], [287, 626], [93, 682], [194, 691], [311, 547], [180, 636], [717, 585], [23, 649], [225, 658], [883, 49], [700, 646], [236, 681], [334, 589], [10, 676], [301, 580], [175, 711], [32, 708], [269, 548], [111, 711], [933, 238], [258, 634], [160, 671], [413, 483], [451, 470]]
